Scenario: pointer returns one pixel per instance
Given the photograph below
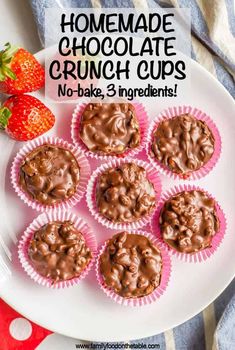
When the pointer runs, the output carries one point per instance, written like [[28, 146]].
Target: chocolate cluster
[[124, 193], [110, 128], [188, 221], [49, 174], [131, 265], [58, 251], [183, 144]]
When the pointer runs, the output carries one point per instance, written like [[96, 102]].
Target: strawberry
[[20, 72], [24, 117]]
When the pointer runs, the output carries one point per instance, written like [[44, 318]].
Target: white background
[[17, 25]]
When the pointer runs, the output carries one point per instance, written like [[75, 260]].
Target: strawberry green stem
[[6, 56], [5, 114]]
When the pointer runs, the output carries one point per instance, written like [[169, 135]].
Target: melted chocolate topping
[[131, 265], [49, 174], [183, 144], [58, 251], [124, 194], [188, 221], [110, 128]]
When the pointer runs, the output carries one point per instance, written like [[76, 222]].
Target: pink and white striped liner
[[37, 223], [75, 127], [216, 240], [176, 111], [152, 176], [55, 141], [148, 299]]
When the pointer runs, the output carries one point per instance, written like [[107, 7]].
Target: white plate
[[84, 311]]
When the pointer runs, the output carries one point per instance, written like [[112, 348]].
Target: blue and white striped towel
[[213, 46]]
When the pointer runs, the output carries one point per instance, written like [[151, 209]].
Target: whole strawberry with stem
[[20, 72], [24, 117]]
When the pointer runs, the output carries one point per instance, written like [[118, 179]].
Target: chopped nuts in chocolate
[[58, 251], [124, 193], [110, 128], [183, 144], [188, 221], [49, 174], [131, 265]]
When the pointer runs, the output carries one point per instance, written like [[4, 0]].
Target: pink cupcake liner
[[216, 240], [153, 177], [37, 223], [176, 111], [148, 299], [75, 127], [84, 173]]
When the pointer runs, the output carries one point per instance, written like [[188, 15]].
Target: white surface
[[84, 311], [17, 25], [58, 342]]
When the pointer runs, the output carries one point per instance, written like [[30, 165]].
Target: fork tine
[[7, 236], [4, 269], [5, 248]]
